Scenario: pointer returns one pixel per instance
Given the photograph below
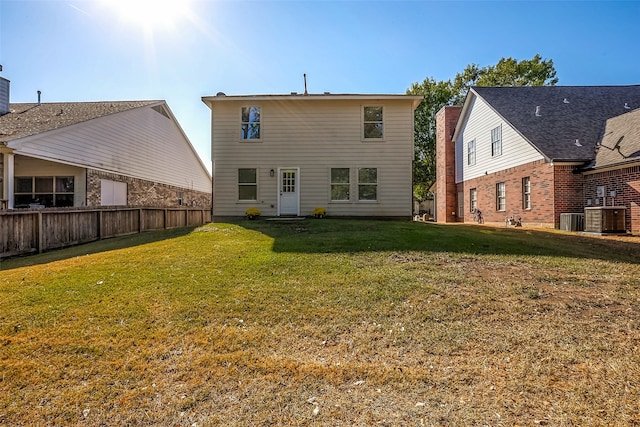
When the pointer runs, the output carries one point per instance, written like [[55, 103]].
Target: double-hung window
[[247, 184], [473, 199], [373, 126], [496, 141], [471, 152], [368, 184], [526, 193], [501, 197], [340, 185], [250, 123]]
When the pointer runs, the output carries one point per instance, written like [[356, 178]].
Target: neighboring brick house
[[522, 151], [613, 178], [89, 154]]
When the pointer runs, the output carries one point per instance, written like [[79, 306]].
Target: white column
[[7, 191]]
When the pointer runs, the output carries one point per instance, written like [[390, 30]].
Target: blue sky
[[102, 50]]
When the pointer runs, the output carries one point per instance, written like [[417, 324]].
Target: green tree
[[437, 94]]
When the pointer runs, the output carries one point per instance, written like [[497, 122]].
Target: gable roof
[[564, 114], [621, 142], [26, 119]]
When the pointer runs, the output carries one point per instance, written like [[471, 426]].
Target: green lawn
[[324, 322]]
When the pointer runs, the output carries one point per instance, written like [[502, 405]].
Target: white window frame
[[473, 199], [244, 136], [248, 184], [471, 152], [367, 184], [501, 197], [366, 123], [496, 141], [347, 184], [526, 193]]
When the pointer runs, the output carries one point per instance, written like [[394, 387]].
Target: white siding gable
[[477, 125], [140, 143]]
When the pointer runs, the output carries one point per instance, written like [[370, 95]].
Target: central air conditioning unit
[[605, 219], [572, 221]]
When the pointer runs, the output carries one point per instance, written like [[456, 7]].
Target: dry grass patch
[[340, 323]]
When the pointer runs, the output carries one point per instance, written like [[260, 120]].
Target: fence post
[[40, 233], [140, 214]]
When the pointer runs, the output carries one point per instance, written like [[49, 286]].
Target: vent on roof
[[577, 143], [565, 101], [538, 111], [627, 106], [221, 94]]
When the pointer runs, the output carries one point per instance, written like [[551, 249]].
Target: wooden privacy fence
[[34, 231]]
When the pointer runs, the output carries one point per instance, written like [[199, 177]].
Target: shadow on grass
[[339, 235], [94, 247]]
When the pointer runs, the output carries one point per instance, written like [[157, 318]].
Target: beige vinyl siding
[[140, 143], [481, 119], [314, 136]]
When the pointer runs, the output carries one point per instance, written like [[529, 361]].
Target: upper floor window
[[247, 184], [340, 184], [471, 152], [367, 184], [373, 123], [526, 193], [250, 123], [496, 141], [501, 197]]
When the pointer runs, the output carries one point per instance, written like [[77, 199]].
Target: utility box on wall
[[605, 219]]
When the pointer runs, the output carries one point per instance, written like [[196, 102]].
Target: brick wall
[[446, 192], [569, 191], [141, 193], [543, 190], [626, 183]]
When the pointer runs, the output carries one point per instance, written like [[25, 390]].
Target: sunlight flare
[[151, 14]]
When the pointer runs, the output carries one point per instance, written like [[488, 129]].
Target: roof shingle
[[565, 114], [26, 119]]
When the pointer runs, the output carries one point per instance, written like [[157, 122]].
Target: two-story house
[[525, 151], [289, 154]]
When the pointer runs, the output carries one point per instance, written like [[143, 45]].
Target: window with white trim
[[501, 197], [473, 200], [496, 141], [526, 192], [368, 184], [340, 185], [471, 152], [250, 123], [248, 184], [373, 126]]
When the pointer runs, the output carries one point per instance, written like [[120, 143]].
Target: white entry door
[[289, 187]]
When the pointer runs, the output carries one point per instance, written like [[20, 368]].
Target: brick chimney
[[446, 190]]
